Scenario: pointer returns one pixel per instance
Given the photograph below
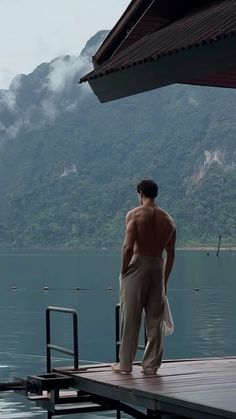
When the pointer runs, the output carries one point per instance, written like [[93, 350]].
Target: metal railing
[[117, 331], [51, 347]]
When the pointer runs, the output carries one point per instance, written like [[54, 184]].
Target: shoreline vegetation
[[206, 248], [73, 249]]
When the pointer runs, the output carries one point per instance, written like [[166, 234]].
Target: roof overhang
[[189, 67], [198, 48]]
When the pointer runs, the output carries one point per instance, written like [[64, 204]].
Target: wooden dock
[[200, 389], [186, 388]]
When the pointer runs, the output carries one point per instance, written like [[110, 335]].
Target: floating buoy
[[45, 288], [13, 287], [196, 289], [109, 288], [77, 288]]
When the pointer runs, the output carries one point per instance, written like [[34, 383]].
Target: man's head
[[147, 188]]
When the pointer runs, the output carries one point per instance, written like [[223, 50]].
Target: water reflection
[[10, 409]]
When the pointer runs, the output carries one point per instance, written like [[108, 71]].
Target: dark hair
[[148, 187]]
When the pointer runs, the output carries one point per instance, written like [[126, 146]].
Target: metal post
[[118, 414], [218, 250], [48, 340], [76, 346], [117, 317]]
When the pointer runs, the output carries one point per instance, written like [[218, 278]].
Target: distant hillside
[[69, 165]]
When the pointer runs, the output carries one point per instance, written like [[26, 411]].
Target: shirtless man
[[143, 279]]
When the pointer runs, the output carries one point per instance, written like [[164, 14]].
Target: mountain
[[69, 165]]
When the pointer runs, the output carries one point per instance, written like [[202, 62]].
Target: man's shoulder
[[133, 212], [167, 216]]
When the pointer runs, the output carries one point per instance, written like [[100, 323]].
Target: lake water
[[202, 295]]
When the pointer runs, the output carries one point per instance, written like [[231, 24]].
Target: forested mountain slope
[[69, 165]]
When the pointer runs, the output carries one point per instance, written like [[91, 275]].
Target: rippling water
[[202, 294]]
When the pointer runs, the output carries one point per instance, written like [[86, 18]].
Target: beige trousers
[[142, 289]]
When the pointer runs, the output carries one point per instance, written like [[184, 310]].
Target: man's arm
[[170, 257], [128, 245]]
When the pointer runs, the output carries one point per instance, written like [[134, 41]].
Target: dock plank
[[194, 389]]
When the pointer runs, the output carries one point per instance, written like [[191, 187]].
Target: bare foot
[[116, 368], [148, 373]]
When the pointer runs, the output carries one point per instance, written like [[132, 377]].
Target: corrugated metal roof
[[140, 18], [107, 48], [205, 26]]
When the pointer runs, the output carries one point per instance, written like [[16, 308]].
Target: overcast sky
[[36, 31]]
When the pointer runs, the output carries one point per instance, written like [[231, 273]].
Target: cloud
[[12, 131], [7, 100], [64, 69], [71, 107], [2, 127], [49, 108]]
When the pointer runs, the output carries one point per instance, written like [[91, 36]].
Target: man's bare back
[[149, 230], [153, 229]]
